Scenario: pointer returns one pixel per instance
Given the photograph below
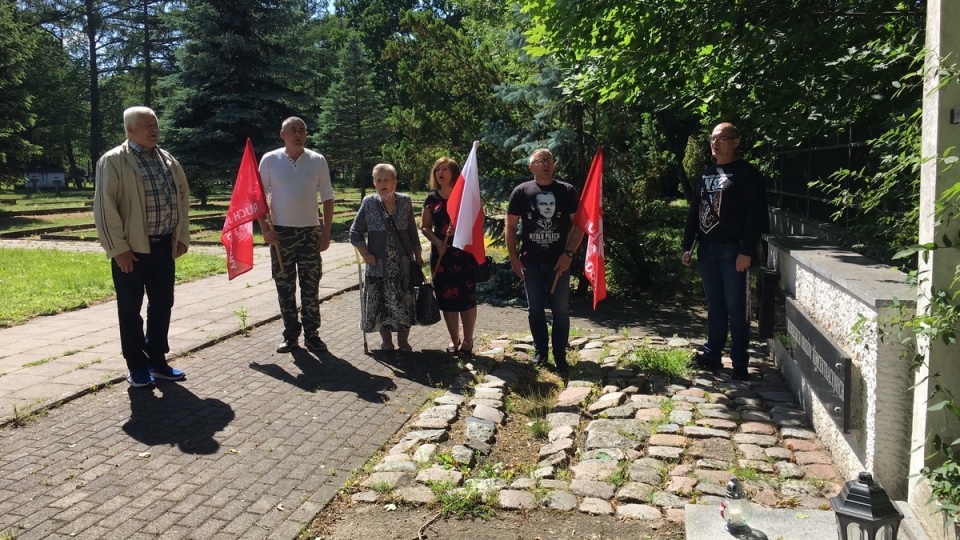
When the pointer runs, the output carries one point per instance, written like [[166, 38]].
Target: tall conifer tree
[[240, 63], [351, 129]]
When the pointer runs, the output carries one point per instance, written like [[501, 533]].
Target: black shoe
[[539, 359], [287, 345], [709, 363], [741, 375], [315, 344]]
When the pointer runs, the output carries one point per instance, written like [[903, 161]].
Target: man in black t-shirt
[[543, 247], [727, 216]]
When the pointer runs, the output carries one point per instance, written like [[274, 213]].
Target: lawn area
[[44, 282]]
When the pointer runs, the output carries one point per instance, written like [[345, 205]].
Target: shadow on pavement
[[667, 318], [329, 373], [176, 417], [428, 367]]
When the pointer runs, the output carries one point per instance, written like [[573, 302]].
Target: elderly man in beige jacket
[[141, 207]]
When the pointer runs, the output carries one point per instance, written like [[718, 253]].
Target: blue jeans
[[537, 281], [726, 292]]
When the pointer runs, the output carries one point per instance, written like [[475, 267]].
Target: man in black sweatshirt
[[727, 215]]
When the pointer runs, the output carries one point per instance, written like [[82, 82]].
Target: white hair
[[132, 114], [293, 120], [380, 167]]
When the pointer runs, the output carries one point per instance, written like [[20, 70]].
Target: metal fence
[[795, 168]]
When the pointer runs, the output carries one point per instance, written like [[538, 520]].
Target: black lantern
[[865, 512]]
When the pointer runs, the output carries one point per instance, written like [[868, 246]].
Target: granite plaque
[[824, 365]]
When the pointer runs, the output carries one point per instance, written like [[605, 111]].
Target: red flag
[[589, 217], [465, 210], [246, 205]]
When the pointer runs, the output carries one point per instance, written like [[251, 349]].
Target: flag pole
[[276, 245], [440, 258], [556, 278]]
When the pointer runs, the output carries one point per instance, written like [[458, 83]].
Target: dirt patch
[[367, 522]]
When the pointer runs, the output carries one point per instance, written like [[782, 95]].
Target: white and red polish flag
[[589, 217], [247, 204], [465, 210]]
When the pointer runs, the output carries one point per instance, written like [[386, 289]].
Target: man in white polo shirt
[[295, 178]]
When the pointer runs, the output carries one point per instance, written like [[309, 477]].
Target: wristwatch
[[568, 253]]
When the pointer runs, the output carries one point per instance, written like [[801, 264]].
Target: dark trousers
[[537, 281], [153, 273], [298, 247], [726, 292]]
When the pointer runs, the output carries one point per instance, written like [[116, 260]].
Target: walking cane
[[363, 299]]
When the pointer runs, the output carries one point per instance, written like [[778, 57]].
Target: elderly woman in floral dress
[[385, 234]]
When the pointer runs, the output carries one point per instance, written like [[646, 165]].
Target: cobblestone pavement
[[621, 442]]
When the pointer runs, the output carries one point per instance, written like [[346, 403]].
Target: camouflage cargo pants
[[298, 247]]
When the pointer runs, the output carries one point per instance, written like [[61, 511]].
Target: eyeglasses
[[542, 161], [722, 139]]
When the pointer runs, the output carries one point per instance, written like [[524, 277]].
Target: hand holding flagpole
[[276, 243], [446, 239], [556, 278]]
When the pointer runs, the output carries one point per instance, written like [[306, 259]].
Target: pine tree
[[16, 46], [241, 63], [351, 129]]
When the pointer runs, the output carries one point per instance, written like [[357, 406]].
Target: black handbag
[[428, 311], [417, 278], [485, 272]]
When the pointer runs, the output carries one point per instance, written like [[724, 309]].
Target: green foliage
[[935, 320], [446, 67], [785, 70], [57, 83], [240, 63], [670, 362], [945, 479], [350, 130], [695, 160], [881, 198], [462, 502], [539, 428], [16, 117]]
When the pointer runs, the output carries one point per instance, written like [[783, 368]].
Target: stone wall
[[837, 288]]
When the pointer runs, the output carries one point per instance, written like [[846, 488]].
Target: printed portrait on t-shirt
[[547, 231], [547, 205]]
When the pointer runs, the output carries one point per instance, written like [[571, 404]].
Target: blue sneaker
[[140, 379], [166, 372]]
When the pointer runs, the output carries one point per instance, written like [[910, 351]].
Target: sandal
[[405, 349], [452, 349], [384, 346], [466, 350]]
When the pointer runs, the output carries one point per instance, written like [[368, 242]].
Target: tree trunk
[[147, 54], [96, 123]]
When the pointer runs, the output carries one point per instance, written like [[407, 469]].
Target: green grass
[[37, 282], [672, 362]]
